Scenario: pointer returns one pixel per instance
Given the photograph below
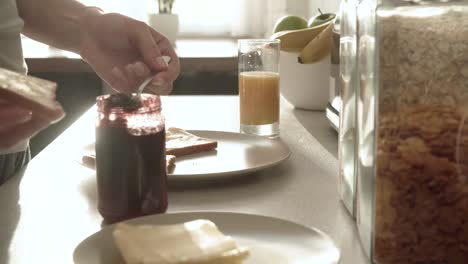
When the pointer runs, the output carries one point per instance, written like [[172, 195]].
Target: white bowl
[[305, 86]]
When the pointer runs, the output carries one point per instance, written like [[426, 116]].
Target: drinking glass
[[259, 86]]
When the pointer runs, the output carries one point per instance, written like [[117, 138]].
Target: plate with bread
[[196, 155], [207, 238]]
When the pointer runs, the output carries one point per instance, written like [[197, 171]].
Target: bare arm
[[122, 50], [54, 22]]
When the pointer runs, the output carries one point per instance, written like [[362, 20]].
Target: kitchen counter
[[51, 207]]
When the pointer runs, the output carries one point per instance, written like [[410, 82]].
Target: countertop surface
[[51, 207]]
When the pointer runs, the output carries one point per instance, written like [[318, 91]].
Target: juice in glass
[[259, 98]]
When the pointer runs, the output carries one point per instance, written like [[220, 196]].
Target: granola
[[422, 143]]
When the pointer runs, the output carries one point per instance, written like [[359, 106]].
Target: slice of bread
[[180, 142], [195, 242], [170, 163], [34, 94]]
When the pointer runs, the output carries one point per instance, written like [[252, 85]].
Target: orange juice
[[259, 97]]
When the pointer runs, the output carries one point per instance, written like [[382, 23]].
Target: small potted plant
[[165, 21]]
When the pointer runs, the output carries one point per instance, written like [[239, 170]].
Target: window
[[206, 17], [211, 18]]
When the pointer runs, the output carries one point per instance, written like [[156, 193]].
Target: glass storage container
[[332, 111], [347, 138], [413, 154]]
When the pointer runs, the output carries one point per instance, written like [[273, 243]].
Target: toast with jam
[[179, 142]]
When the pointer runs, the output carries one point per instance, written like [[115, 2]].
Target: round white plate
[[270, 240], [236, 154]]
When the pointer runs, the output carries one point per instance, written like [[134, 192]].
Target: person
[[121, 50]]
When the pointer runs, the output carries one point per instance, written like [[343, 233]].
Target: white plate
[[270, 240], [237, 154]]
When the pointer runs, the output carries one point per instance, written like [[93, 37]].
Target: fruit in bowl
[[295, 33], [320, 18], [306, 86], [296, 40], [290, 22]]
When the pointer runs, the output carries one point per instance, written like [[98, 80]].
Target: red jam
[[130, 157]]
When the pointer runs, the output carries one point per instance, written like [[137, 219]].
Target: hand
[[124, 52], [17, 124]]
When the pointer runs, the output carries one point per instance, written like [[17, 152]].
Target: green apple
[[290, 23], [320, 19]]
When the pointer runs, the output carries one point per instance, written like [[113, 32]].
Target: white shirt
[[11, 53]]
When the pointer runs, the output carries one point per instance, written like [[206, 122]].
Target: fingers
[[161, 84], [14, 134], [147, 46], [11, 115], [17, 124], [163, 81], [142, 59], [167, 49], [141, 70], [163, 89], [133, 76], [129, 77], [117, 79], [136, 73], [126, 79]]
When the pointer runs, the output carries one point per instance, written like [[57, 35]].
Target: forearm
[[54, 22]]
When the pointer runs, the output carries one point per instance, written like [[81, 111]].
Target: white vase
[[305, 86], [167, 24]]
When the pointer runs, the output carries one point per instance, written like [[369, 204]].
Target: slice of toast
[[34, 94], [180, 142], [197, 242], [89, 160], [170, 163]]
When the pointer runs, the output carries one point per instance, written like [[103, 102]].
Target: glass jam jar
[[130, 156], [413, 134]]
